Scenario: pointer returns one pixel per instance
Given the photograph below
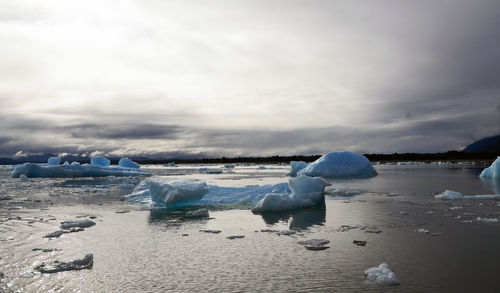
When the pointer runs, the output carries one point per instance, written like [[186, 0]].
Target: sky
[[247, 78]]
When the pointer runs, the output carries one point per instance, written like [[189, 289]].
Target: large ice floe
[[341, 165], [382, 275], [98, 168], [454, 195], [305, 192], [144, 193], [300, 192], [493, 171]]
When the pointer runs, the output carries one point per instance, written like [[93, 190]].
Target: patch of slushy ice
[[453, 195]]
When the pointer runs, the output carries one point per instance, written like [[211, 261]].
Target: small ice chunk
[[422, 230], [79, 264], [77, 224], [315, 242], [382, 275], [340, 164], [261, 167], [54, 161], [128, 163], [75, 163], [229, 166], [23, 178], [100, 161]]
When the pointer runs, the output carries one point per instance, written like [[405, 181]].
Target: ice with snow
[[340, 164], [305, 192], [128, 163], [493, 171], [382, 275], [454, 195], [296, 166], [100, 161]]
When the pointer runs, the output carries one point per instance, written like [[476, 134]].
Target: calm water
[[144, 250]]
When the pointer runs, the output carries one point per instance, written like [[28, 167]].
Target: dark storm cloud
[[140, 131]]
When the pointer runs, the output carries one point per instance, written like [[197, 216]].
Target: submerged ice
[[340, 164]]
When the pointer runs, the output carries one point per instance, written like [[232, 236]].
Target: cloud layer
[[247, 78]]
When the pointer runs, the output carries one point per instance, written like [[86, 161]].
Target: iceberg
[[296, 167], [452, 195], [217, 195], [166, 191], [382, 275], [340, 164], [128, 163], [305, 192], [493, 171], [67, 171], [100, 161], [54, 161]]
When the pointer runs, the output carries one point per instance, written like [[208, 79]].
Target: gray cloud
[[193, 79]]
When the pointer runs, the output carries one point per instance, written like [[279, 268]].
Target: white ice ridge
[[382, 275], [296, 166], [340, 164], [451, 195], [53, 170], [166, 191], [305, 192], [493, 171]]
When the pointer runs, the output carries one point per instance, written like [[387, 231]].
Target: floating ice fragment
[[493, 171], [487, 220], [201, 213], [315, 242], [77, 224], [85, 263], [235, 237], [229, 166], [287, 232], [360, 242], [164, 191], [340, 164], [422, 230], [128, 163], [54, 161], [100, 161], [451, 195], [382, 275], [23, 178]]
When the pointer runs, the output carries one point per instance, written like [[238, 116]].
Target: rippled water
[[143, 250]]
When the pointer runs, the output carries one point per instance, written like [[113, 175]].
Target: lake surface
[[138, 249]]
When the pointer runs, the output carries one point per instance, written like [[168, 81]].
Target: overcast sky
[[213, 78]]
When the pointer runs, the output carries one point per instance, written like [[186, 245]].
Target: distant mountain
[[488, 144]]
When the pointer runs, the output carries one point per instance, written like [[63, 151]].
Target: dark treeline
[[447, 156]]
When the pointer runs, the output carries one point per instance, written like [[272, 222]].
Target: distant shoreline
[[453, 156]]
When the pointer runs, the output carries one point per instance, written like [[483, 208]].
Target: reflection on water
[[300, 219]]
